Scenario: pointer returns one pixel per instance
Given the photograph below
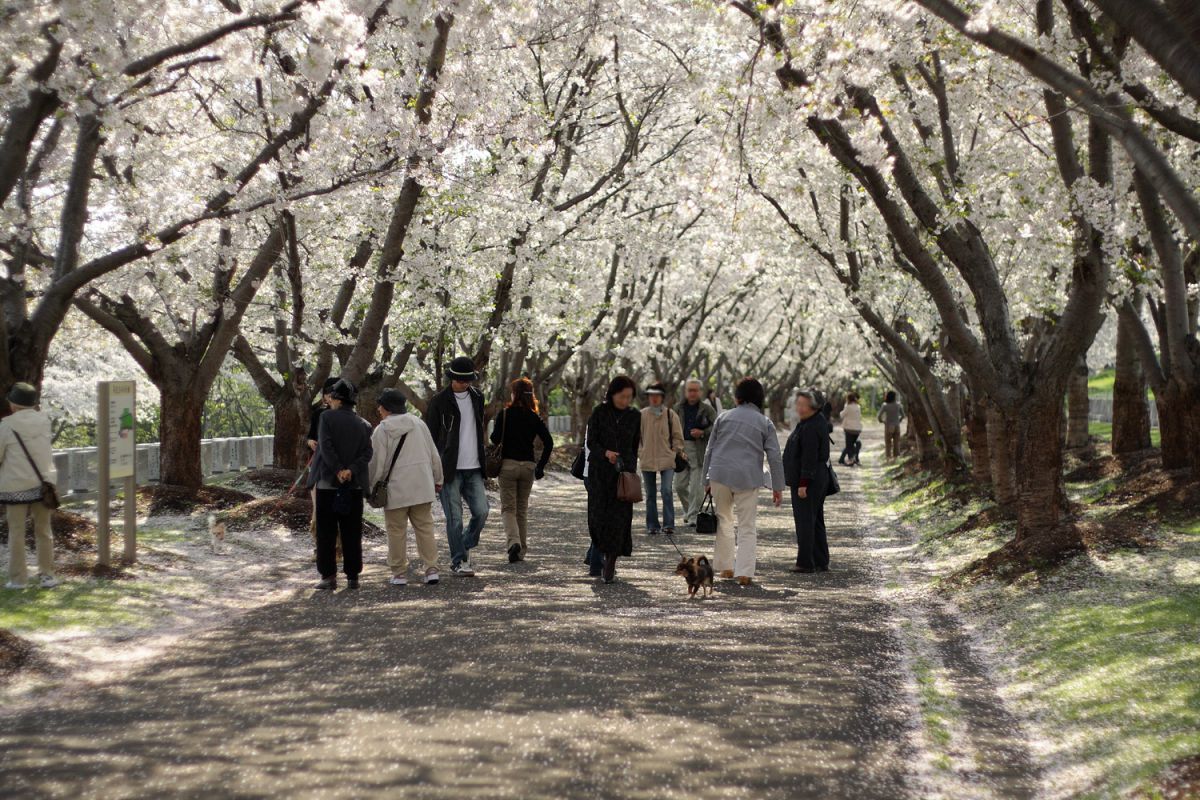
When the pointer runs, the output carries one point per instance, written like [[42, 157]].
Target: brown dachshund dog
[[698, 573]]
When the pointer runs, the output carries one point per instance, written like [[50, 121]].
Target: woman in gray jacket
[[21, 485], [733, 473]]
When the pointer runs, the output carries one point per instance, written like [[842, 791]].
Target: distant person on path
[[806, 460], [341, 478], [852, 428], [21, 486], [891, 413], [455, 419], [412, 486], [733, 473], [613, 434], [715, 401], [697, 416], [516, 428], [662, 439]]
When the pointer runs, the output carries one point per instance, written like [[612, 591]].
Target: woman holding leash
[[613, 435], [515, 430]]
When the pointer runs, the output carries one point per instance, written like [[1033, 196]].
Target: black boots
[[610, 568]]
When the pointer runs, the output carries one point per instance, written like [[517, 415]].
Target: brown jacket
[[657, 454]]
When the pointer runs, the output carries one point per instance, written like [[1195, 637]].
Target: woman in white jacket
[[852, 427], [21, 485], [413, 484]]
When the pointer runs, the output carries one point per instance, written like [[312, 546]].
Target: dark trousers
[[853, 445], [812, 546], [594, 558], [329, 524]]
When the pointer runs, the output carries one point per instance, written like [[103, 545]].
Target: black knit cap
[[23, 394], [393, 401], [329, 384], [462, 369]]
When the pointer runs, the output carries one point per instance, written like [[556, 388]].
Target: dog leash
[[670, 537]]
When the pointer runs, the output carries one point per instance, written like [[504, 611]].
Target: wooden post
[[103, 554], [130, 530]]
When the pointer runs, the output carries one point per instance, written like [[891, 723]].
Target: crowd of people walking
[[712, 459]]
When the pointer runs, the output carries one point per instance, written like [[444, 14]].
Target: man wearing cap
[[320, 406], [455, 419], [661, 442], [697, 417], [25, 461], [403, 455]]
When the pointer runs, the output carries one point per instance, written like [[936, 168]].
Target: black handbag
[[706, 517], [580, 462], [494, 453], [49, 490], [379, 492], [681, 463], [832, 487]]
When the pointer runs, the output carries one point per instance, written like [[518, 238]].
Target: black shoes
[[327, 585], [610, 568], [804, 570], [668, 531], [352, 583], [514, 554]]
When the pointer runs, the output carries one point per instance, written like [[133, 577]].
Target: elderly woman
[[25, 461], [613, 435], [806, 460], [341, 478], [733, 470], [403, 455], [662, 440]]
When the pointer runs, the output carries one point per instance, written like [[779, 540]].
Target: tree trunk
[[922, 436], [1179, 425], [179, 436], [1000, 445], [1131, 412], [977, 440], [777, 409], [1041, 501], [291, 429], [1077, 406]]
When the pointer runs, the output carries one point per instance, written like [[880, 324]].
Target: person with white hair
[[25, 461], [697, 416]]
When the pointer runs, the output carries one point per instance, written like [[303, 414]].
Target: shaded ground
[[530, 681]]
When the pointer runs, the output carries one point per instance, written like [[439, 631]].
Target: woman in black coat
[[340, 479], [806, 471], [613, 436]]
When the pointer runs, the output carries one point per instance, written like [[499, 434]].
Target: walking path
[[530, 681]]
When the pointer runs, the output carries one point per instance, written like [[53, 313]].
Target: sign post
[[116, 440]]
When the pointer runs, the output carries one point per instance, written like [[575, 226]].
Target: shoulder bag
[[681, 463], [493, 454], [706, 517], [379, 492], [49, 490], [629, 485], [832, 487]]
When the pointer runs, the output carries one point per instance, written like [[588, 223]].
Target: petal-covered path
[[529, 681]]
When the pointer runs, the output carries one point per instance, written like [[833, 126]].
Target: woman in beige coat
[[412, 485], [21, 485], [662, 439]]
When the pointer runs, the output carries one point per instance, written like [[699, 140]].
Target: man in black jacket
[[455, 418], [806, 471]]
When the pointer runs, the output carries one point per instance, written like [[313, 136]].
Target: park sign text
[[121, 416]]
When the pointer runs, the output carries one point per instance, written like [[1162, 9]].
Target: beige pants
[[17, 571], [737, 529], [891, 440], [396, 520], [516, 482]]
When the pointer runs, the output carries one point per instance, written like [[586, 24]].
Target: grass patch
[[85, 604], [1101, 384], [1103, 430]]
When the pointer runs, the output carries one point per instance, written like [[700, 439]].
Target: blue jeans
[[668, 477], [467, 485]]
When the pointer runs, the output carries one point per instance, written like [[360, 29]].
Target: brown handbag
[[629, 487], [493, 454]]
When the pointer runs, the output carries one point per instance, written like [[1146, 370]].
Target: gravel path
[[530, 681]]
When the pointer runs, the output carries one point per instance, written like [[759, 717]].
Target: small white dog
[[216, 532]]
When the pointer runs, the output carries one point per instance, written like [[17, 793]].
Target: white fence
[[1100, 409], [75, 467]]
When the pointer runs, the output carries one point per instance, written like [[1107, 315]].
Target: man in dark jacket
[[697, 416], [455, 418], [806, 471], [341, 478]]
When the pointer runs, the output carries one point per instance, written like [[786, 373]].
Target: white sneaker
[[399, 580], [463, 570], [14, 585], [431, 576], [47, 581]]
